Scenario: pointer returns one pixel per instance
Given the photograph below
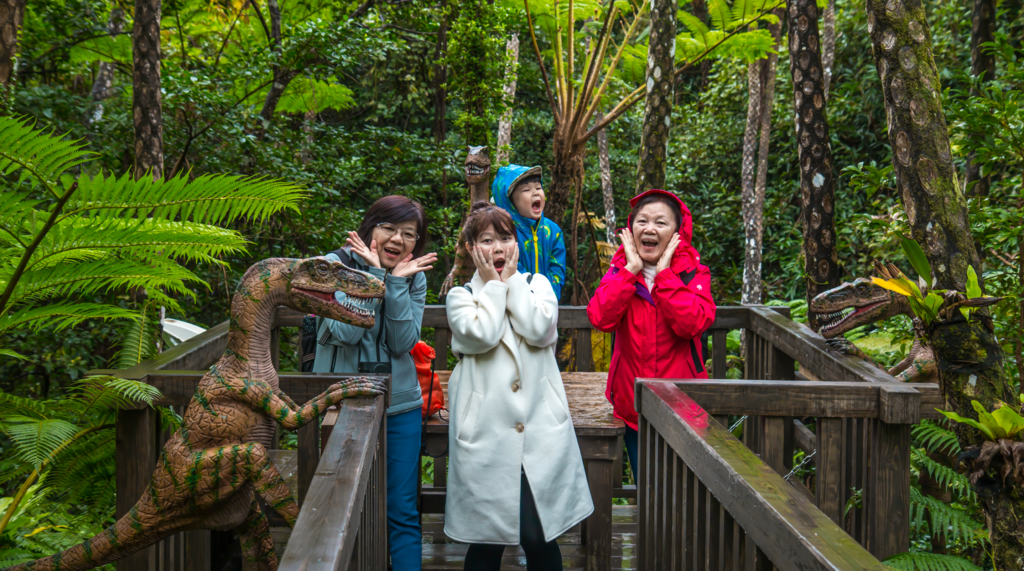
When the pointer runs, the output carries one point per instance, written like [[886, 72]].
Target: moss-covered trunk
[[650, 171], [147, 110], [983, 28], [12, 12], [817, 171], [566, 175], [969, 358]]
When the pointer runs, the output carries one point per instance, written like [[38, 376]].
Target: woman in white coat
[[516, 474]]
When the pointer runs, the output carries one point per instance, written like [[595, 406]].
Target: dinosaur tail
[[120, 540]]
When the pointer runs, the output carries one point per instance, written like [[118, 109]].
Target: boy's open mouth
[[499, 265], [537, 206]]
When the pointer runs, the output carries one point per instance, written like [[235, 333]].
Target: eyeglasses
[[390, 230]]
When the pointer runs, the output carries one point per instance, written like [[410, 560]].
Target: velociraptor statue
[[477, 170], [210, 471], [861, 302]]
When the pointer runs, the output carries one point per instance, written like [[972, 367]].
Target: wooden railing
[[707, 502]]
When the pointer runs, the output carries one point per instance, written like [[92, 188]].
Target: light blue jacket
[[541, 247], [340, 346]]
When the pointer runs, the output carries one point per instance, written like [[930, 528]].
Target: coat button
[[520, 427], [515, 387]]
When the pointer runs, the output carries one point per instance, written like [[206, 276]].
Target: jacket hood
[[686, 256], [506, 179]]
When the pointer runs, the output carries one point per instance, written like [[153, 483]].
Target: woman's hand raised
[[369, 255], [666, 257], [511, 263], [484, 264], [409, 267], [633, 262]]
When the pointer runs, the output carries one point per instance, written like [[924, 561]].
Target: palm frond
[[917, 561], [935, 437], [36, 440], [942, 518], [208, 199], [37, 153], [944, 475]]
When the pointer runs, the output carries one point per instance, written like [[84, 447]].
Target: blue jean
[[404, 531], [632, 446]]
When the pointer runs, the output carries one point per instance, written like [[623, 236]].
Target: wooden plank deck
[[439, 552]]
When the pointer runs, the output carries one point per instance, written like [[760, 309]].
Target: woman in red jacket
[[656, 298]]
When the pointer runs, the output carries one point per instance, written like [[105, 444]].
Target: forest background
[[384, 97]]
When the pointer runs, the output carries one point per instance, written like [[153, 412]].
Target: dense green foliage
[[358, 122]]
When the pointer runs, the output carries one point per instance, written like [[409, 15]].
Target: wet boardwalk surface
[[439, 552]]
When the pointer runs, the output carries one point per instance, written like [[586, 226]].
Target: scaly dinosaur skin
[[477, 169], [208, 471], [861, 302]]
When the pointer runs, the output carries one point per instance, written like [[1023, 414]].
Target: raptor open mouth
[[360, 306], [834, 319], [474, 170]]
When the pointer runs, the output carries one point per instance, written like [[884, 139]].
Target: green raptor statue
[[211, 470], [860, 302]]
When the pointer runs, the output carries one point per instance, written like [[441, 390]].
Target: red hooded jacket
[[657, 333]]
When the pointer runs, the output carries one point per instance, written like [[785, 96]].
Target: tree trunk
[[983, 65], [817, 184], [604, 162], [103, 86], [509, 91], [566, 175], [440, 96], [828, 43], [970, 359], [650, 172], [12, 12], [753, 203], [146, 100], [751, 218], [282, 76]]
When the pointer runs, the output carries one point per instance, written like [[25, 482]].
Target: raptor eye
[[323, 268]]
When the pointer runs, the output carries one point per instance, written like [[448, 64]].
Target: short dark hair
[[483, 215], [673, 205], [395, 208], [532, 178]]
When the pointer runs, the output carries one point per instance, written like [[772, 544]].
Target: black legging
[[540, 555]]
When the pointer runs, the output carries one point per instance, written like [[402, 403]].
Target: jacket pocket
[[467, 424], [554, 402]]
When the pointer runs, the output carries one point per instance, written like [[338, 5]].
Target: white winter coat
[[509, 412]]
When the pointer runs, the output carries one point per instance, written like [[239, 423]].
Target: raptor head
[[478, 165], [853, 304], [314, 282]]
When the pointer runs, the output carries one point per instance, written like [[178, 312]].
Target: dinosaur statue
[[477, 169], [212, 468], [861, 302]]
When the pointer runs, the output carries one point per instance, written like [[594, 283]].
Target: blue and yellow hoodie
[[541, 247]]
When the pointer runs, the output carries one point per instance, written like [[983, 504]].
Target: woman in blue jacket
[[389, 244]]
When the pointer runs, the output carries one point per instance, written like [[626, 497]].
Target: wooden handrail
[[343, 496], [784, 524]]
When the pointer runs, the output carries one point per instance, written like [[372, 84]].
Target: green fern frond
[[139, 340], [943, 518], [36, 440], [944, 475], [108, 273], [698, 30], [103, 392], [169, 418], [36, 152], [12, 354], [13, 405], [935, 437], [719, 12], [208, 199], [916, 561], [62, 315]]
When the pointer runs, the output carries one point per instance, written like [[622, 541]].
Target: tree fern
[[138, 339], [915, 561], [942, 474], [36, 154], [935, 437], [943, 518]]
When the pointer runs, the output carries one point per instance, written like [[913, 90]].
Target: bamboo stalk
[[596, 55]]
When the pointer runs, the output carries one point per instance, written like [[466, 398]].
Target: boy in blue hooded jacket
[[518, 190]]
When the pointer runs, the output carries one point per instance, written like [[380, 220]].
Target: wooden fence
[[860, 445]]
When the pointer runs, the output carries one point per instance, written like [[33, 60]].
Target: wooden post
[[136, 454], [441, 349], [584, 359], [197, 550], [719, 351], [828, 483], [889, 533], [308, 456], [778, 443]]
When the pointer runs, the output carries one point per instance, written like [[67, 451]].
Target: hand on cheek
[[511, 263], [666, 256], [484, 264], [633, 262]]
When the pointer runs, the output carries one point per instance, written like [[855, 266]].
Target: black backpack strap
[[529, 278], [469, 289], [687, 277]]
